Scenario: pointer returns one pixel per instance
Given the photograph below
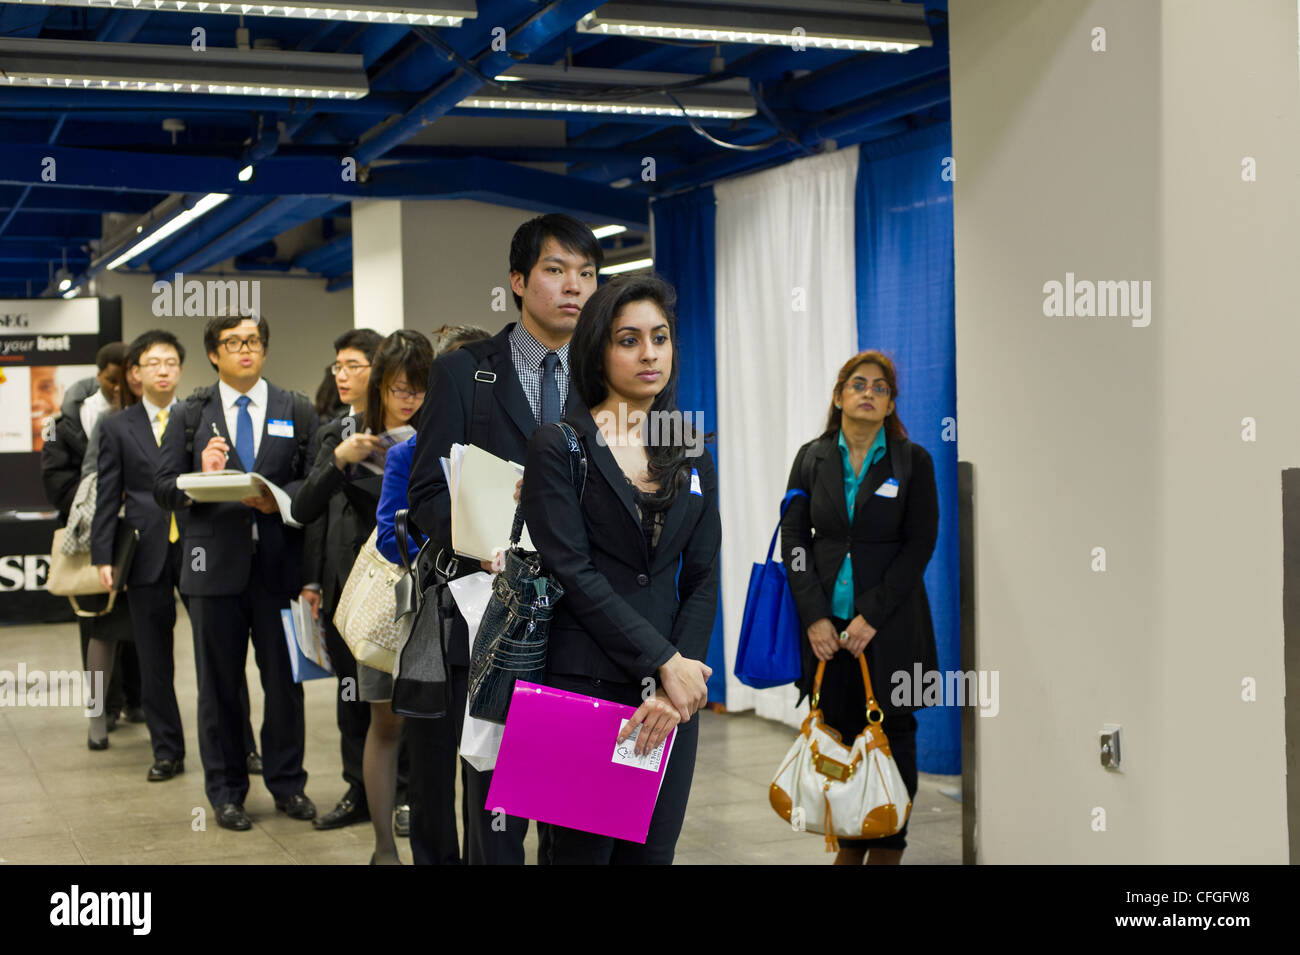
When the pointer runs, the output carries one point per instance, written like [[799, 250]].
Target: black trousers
[[153, 621], [575, 847], [222, 626], [353, 717], [844, 708], [491, 838]]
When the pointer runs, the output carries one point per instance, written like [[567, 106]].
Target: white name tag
[[278, 428], [888, 489], [695, 483]]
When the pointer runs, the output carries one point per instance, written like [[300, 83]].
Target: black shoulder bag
[[511, 641]]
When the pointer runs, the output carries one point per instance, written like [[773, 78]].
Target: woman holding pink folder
[[630, 628]]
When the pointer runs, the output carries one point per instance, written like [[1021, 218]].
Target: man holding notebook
[[240, 563], [491, 394]]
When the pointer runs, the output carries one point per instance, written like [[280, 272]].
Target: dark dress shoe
[[349, 810], [231, 815], [297, 806], [97, 744], [254, 764], [402, 822], [112, 720], [165, 769], [135, 714]]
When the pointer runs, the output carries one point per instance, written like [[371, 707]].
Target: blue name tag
[[279, 428], [695, 483], [888, 489]]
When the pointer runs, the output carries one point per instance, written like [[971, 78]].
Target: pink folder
[[556, 765]]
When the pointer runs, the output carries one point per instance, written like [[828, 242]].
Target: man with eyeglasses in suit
[[241, 564]]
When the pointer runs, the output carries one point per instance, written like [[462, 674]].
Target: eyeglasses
[[171, 364], [402, 394], [235, 345], [878, 388], [352, 368]]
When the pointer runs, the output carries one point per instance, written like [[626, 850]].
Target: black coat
[[224, 530], [446, 418], [337, 508], [623, 613], [890, 541], [128, 459]]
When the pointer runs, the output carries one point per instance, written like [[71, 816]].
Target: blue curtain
[[684, 256], [905, 308]]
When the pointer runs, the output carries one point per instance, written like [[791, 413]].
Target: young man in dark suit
[[128, 458], [241, 564], [511, 383]]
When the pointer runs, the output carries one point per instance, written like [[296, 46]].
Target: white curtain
[[786, 322]]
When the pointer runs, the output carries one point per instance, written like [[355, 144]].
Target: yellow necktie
[[174, 534]]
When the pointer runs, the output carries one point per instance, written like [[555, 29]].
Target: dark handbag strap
[[790, 495], [577, 477], [480, 416], [402, 526], [872, 706]]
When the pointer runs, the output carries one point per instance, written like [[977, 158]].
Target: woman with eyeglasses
[[855, 549], [382, 382]]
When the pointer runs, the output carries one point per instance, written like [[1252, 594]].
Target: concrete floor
[[62, 804]]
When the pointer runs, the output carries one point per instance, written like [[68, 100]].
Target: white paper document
[[209, 486], [482, 488], [625, 752]]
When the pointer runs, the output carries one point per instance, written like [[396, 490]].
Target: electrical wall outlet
[[1110, 746]]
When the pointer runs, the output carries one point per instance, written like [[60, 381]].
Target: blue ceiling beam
[[314, 260], [373, 104], [535, 32], [161, 258], [264, 224], [18, 204]]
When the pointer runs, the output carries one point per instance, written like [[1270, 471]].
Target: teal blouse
[[842, 596]]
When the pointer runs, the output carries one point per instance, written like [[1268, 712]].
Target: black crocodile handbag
[[511, 641]]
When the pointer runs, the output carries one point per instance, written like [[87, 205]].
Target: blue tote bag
[[768, 654]]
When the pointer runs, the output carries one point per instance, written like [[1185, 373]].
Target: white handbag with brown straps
[[364, 616], [854, 792]]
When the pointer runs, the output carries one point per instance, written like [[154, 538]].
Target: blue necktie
[[550, 389], [244, 433]]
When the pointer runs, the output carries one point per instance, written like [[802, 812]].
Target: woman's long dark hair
[[406, 350], [668, 465], [893, 426]]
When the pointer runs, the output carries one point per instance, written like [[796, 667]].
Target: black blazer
[[446, 420], [623, 613], [224, 530], [890, 541], [128, 459], [337, 509]]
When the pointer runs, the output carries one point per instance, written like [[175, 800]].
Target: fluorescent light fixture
[[85, 64], [71, 293], [605, 231], [860, 25], [584, 90], [633, 266], [440, 13], [180, 221]]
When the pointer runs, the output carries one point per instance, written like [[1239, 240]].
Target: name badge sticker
[[695, 483], [888, 489], [279, 428]]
